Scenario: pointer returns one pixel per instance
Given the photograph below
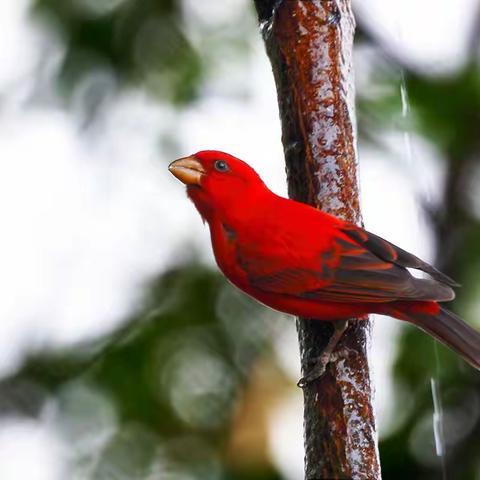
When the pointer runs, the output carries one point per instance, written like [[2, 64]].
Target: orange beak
[[188, 170]]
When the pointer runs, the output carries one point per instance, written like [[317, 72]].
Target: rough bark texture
[[310, 46]]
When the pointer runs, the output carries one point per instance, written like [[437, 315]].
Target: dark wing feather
[[391, 253], [368, 270]]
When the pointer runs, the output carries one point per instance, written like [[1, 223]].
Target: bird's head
[[216, 180]]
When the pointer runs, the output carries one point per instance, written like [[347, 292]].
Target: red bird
[[300, 260]]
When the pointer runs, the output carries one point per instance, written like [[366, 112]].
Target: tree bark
[[310, 47]]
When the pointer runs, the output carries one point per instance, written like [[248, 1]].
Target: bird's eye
[[221, 166]]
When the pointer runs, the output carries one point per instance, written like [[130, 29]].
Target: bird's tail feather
[[452, 331]]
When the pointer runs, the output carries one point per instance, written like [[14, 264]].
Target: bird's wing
[[357, 267], [391, 253]]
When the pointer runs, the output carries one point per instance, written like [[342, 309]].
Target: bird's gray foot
[[328, 355], [320, 365]]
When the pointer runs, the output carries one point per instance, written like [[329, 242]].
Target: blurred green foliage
[[156, 398], [142, 42], [446, 111], [173, 374]]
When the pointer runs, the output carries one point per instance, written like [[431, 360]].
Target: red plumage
[[299, 260]]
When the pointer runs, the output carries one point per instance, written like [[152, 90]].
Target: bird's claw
[[320, 364], [317, 371]]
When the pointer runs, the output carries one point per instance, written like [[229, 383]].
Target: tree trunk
[[310, 47]]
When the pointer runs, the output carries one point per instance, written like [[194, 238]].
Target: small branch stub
[[310, 46]]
